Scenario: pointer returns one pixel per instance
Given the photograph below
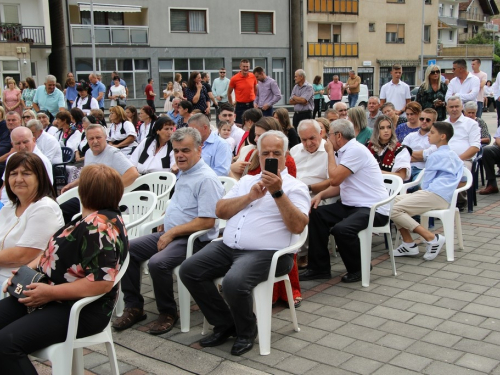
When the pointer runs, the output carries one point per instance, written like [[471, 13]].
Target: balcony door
[[279, 77]]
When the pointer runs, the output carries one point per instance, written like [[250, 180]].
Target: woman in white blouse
[[30, 217], [67, 135], [116, 92], [392, 157], [155, 153], [84, 100], [122, 133], [148, 118]]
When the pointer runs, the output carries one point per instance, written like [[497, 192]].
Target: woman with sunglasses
[[432, 92]]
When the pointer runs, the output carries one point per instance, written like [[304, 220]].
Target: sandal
[[296, 302], [163, 324], [131, 316]]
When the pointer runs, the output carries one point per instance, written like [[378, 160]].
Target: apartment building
[[155, 38], [369, 37], [25, 39]]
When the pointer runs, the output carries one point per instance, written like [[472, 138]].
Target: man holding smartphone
[[264, 213]]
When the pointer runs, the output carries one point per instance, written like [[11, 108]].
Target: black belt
[[308, 111], [247, 104]]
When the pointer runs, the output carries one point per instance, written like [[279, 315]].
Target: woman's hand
[[199, 86], [38, 294], [239, 166], [9, 281]]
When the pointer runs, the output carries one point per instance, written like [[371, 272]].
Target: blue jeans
[[479, 109], [352, 99]]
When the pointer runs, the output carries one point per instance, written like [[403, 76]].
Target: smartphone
[[272, 165]]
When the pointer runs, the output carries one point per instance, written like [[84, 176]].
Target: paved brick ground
[[432, 318]]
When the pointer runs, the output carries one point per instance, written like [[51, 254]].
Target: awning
[[110, 8]]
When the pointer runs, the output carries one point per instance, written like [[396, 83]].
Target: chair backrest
[[468, 175], [227, 182], [413, 183], [67, 154], [393, 184], [67, 195], [137, 207]]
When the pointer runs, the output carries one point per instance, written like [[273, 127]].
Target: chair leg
[[120, 303], [365, 241], [291, 304], [184, 303], [458, 226], [263, 294], [78, 366], [391, 254], [449, 233], [424, 222], [62, 364], [110, 348]]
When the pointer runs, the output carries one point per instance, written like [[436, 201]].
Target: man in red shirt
[[150, 94], [334, 90], [244, 85]]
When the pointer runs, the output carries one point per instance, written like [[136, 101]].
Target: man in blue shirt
[[443, 172], [48, 97], [191, 209], [174, 112], [98, 90], [216, 151]]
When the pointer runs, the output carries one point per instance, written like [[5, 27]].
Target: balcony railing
[[333, 6], [453, 21], [332, 49], [17, 33], [104, 34], [467, 50], [473, 17]]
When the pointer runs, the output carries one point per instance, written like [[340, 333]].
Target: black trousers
[[243, 270], [491, 156], [22, 333], [151, 103], [317, 107], [347, 222], [239, 109], [299, 116]]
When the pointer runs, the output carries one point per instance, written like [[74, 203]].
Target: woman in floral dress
[[81, 260]]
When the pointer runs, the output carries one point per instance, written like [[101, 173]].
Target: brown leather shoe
[[489, 190], [129, 318], [163, 324], [302, 262]]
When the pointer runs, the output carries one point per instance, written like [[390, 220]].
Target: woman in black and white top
[[148, 118], [84, 100], [67, 135], [122, 132]]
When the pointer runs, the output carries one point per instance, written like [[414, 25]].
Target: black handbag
[[24, 277]]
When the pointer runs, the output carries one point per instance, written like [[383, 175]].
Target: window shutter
[[178, 20], [248, 22], [11, 14], [265, 22]]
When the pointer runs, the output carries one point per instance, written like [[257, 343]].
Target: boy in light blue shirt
[[443, 172]]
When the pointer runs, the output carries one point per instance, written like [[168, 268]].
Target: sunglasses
[[222, 72], [425, 119], [25, 117], [434, 71]]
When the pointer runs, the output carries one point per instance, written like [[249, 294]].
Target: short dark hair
[[77, 114], [316, 80], [258, 69], [65, 116], [100, 187], [444, 128], [397, 67], [203, 75], [460, 62], [149, 80], [244, 61], [478, 60], [252, 114], [226, 107], [186, 105], [117, 77], [33, 163]]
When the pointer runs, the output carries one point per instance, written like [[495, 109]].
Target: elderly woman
[[67, 135], [357, 116], [197, 94], [28, 114], [45, 118], [30, 217], [148, 118], [392, 157], [40, 319], [186, 111], [412, 110], [432, 92], [470, 111], [122, 132], [11, 97], [155, 153]]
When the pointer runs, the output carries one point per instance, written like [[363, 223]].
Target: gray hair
[[50, 78], [176, 99], [199, 120], [276, 133], [336, 105], [357, 116], [301, 72], [180, 134], [376, 98], [331, 110], [344, 127], [352, 71], [92, 75], [470, 105], [305, 123], [86, 120], [34, 124], [454, 97], [96, 126], [13, 113]]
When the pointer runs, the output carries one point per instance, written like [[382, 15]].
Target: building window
[[451, 10], [257, 22], [428, 2], [371, 27], [102, 18], [10, 68], [407, 77], [427, 33], [395, 33], [324, 33], [440, 11], [396, 1], [188, 20], [135, 73], [450, 35], [336, 33], [9, 13]]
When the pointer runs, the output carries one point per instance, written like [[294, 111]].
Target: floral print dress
[[93, 247]]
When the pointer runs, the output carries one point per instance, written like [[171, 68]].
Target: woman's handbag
[[24, 277], [121, 102]]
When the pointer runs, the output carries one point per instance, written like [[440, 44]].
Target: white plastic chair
[[414, 183], [67, 356], [67, 195], [139, 208], [450, 217], [227, 182], [393, 185], [161, 184], [263, 297]]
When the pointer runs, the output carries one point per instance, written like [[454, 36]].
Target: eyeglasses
[[222, 72], [425, 119], [330, 134], [435, 72]]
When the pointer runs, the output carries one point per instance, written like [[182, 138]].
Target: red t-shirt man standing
[[150, 94], [244, 85]]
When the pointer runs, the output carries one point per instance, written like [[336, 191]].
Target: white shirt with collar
[[260, 226], [419, 142], [466, 133], [466, 90], [311, 167], [50, 147], [365, 186], [396, 93]]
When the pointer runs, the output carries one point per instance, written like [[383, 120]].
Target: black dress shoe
[[351, 277], [218, 338], [314, 275], [243, 344]]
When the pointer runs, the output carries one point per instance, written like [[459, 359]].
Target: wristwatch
[[310, 188], [277, 194]]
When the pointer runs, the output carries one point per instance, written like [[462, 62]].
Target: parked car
[[362, 98]]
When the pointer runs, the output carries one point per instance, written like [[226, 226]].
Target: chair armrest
[[287, 250], [192, 238], [147, 228], [75, 315]]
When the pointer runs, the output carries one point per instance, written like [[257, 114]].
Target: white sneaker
[[406, 250], [434, 247]]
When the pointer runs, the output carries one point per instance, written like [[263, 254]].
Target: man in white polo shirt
[[465, 85], [356, 172], [396, 91], [46, 142]]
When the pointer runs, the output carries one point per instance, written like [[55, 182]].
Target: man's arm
[[472, 94], [6, 156], [35, 107], [469, 153], [320, 186], [195, 225], [128, 177], [229, 95]]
